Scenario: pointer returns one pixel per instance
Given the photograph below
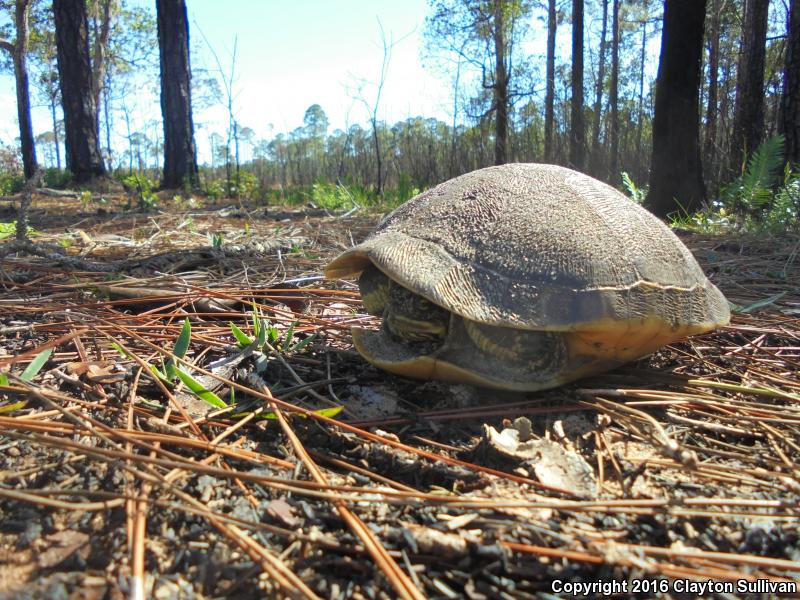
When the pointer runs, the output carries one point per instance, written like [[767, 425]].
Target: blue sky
[[292, 54]]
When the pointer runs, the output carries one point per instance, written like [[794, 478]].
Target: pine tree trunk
[[103, 12], [19, 57], [23, 90], [676, 176], [790, 113], [77, 95], [613, 97], [180, 155], [54, 118], [640, 112], [710, 142], [577, 138], [500, 86], [597, 159], [549, 112], [748, 114]]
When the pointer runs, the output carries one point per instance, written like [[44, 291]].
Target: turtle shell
[[541, 247]]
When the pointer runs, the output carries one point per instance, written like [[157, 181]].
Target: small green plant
[[754, 189], [140, 186], [86, 199], [10, 184], [30, 372], [9, 229], [171, 371], [216, 239], [57, 179], [248, 185], [215, 189], [265, 333], [332, 196], [766, 196], [184, 203], [785, 207], [636, 193]]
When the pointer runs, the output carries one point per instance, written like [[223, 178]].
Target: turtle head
[[407, 316], [411, 317], [374, 288]]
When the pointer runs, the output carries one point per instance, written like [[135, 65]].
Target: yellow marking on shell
[[512, 350], [415, 330], [624, 341]]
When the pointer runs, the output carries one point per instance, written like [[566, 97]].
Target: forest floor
[[114, 483]]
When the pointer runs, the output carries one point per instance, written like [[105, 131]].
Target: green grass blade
[[324, 412], [32, 370], [159, 373], [759, 303], [121, 350], [287, 338], [256, 320], [303, 343], [199, 390], [12, 407], [242, 338], [182, 343]]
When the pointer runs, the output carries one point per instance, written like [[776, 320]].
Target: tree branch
[[8, 46]]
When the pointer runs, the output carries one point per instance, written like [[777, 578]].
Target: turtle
[[524, 277]]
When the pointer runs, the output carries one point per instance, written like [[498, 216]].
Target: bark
[[748, 113], [598, 95], [613, 97], [19, 55], [54, 117], [105, 10], [180, 154], [577, 137], [77, 94], [709, 143], [549, 113], [790, 113], [500, 86], [676, 176], [641, 94]]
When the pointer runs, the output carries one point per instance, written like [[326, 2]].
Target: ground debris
[[109, 482]]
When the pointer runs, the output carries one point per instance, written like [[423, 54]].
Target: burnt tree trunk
[[710, 142], [577, 135], [500, 86], [748, 114], [613, 98], [549, 113], [790, 113], [676, 174], [77, 95], [180, 154], [19, 55], [640, 110]]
